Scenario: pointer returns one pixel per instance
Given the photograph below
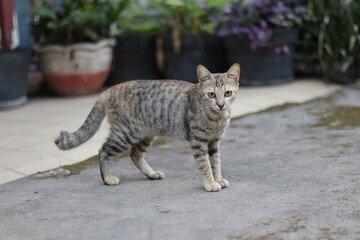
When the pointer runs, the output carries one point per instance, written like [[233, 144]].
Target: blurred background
[[72, 48]]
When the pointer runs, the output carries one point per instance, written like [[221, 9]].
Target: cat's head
[[219, 90]]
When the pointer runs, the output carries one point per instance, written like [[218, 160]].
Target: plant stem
[[322, 61]]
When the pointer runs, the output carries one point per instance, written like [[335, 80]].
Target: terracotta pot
[[76, 69]]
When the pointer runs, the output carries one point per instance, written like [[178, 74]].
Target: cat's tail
[[92, 123]]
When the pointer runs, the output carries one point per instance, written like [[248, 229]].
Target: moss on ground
[[339, 117]]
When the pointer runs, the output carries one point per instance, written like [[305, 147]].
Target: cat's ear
[[234, 72], [202, 73]]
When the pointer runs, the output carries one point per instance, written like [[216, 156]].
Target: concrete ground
[[294, 173], [27, 133]]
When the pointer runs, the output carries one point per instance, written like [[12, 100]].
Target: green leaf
[[216, 3], [91, 34], [175, 3]]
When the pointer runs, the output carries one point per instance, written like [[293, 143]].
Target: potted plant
[[75, 42], [136, 45], [13, 61], [187, 38], [325, 51], [260, 35]]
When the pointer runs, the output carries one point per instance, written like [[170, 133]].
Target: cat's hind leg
[[137, 155], [109, 150]]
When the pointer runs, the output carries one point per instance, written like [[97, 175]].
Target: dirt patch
[[339, 117], [69, 170], [77, 168]]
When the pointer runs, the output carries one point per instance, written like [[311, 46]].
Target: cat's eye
[[228, 93], [211, 95]]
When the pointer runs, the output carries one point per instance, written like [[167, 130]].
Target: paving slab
[[294, 173]]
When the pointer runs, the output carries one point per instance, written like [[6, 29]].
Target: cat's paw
[[212, 187], [223, 183], [157, 175], [111, 181]]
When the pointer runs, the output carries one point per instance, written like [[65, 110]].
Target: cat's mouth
[[219, 110]]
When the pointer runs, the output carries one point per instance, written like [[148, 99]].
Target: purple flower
[[282, 49], [285, 49], [223, 32], [280, 7], [203, 5], [284, 24], [225, 18], [214, 18], [227, 10], [263, 23], [238, 30], [263, 36], [256, 20]]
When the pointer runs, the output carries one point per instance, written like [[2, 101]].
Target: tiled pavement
[[27, 133]]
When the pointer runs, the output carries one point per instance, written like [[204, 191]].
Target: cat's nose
[[220, 105]]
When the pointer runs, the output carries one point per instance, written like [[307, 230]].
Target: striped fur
[[68, 141], [140, 110]]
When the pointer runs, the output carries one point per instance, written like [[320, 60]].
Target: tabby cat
[[140, 110]]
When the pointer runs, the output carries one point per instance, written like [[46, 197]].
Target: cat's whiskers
[[208, 107]]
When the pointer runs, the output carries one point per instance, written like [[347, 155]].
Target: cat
[[140, 110]]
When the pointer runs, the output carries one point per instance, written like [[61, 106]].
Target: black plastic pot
[[195, 50], [262, 66], [13, 77], [338, 75], [134, 58]]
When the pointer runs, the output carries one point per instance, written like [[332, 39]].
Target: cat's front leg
[[214, 155], [201, 156]]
